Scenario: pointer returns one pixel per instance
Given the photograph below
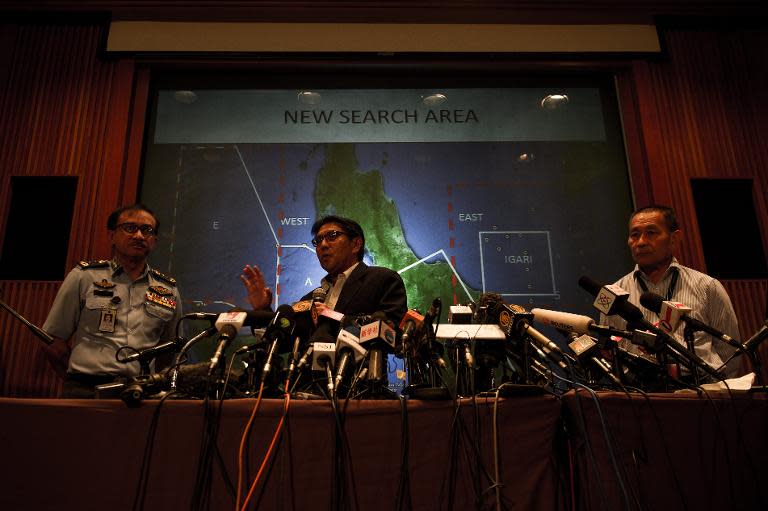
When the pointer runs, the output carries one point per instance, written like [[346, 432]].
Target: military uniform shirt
[[106, 310]]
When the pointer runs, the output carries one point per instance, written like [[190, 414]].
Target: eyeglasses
[[146, 229], [330, 236]]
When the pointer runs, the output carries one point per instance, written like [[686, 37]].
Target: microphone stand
[[144, 366], [754, 358], [688, 333], [428, 388], [464, 371], [37, 331], [405, 347], [220, 376], [662, 357], [527, 363], [375, 373], [616, 361], [175, 365]]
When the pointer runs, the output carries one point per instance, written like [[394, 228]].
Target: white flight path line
[[303, 245], [278, 245], [255, 191], [271, 228]]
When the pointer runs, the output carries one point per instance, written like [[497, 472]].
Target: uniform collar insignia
[[104, 284], [165, 278]]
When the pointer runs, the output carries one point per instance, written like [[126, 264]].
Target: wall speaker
[[730, 233], [38, 227]]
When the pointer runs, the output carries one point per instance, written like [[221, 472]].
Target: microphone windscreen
[[318, 295], [411, 315], [590, 285], [562, 320], [285, 311], [325, 332], [489, 308], [259, 318], [651, 301]]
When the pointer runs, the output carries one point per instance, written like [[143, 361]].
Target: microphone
[[460, 315], [635, 320], [208, 316], [753, 342], [322, 360], [281, 329], [671, 313], [612, 299], [328, 325], [150, 353], [294, 355], [378, 336], [586, 349], [514, 320], [36, 330], [545, 354], [252, 318], [318, 295], [411, 322], [323, 353], [576, 323], [642, 361], [433, 311], [329, 314], [468, 356], [303, 316], [347, 345], [134, 390], [428, 347], [305, 358], [257, 318], [488, 308], [377, 332], [228, 325]]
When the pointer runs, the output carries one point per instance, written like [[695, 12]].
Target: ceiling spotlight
[[554, 101], [309, 98], [434, 99], [526, 157], [185, 96]]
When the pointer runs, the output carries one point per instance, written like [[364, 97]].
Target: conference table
[[669, 451], [579, 450]]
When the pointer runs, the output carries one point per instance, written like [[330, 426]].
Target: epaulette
[[163, 277], [96, 263]]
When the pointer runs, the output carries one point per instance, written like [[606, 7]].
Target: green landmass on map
[[344, 189]]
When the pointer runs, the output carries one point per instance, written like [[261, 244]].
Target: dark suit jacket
[[371, 289]]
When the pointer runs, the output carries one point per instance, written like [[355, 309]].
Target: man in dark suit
[[353, 287]]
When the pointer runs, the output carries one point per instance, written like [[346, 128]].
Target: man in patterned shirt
[[654, 235]]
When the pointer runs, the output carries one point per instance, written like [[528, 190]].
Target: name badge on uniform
[[108, 320]]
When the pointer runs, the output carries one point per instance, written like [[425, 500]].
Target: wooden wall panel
[[63, 111], [702, 117], [24, 371], [702, 114], [752, 297]]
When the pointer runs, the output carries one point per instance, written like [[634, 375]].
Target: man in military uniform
[[110, 305]]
